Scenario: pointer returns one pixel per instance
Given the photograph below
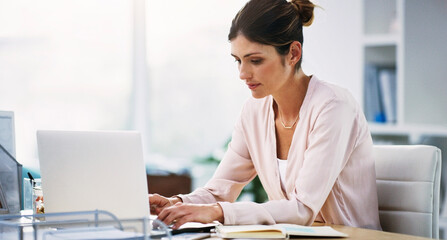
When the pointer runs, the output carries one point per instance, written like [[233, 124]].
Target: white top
[[282, 167]]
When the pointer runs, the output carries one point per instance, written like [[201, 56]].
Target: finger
[[172, 214], [158, 200], [163, 213], [157, 203], [158, 210], [168, 209], [180, 221], [154, 210], [155, 198]]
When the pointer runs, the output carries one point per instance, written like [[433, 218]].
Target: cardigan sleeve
[[330, 143], [234, 172]]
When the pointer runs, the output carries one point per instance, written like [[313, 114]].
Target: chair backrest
[[408, 184]]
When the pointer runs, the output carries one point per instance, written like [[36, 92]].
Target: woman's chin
[[257, 95]]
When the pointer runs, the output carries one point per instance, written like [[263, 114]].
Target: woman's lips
[[253, 85]]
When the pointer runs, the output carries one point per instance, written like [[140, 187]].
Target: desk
[[367, 234]]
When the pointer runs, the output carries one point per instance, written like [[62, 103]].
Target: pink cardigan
[[330, 173]]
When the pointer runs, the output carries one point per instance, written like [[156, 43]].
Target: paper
[[275, 231]]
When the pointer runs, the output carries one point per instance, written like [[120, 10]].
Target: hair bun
[[305, 10]]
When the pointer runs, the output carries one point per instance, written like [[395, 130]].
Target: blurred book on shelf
[[380, 94], [387, 82]]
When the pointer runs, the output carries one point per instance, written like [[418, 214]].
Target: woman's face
[[260, 66]]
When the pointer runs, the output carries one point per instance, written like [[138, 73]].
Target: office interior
[[164, 68]]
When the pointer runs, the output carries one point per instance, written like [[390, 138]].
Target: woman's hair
[[273, 22]]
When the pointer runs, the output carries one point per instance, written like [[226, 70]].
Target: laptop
[[84, 171]]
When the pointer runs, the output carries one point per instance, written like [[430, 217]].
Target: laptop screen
[[93, 170]]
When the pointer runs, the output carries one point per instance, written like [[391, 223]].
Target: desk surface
[[361, 233]]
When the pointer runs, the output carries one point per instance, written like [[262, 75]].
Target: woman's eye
[[256, 61], [238, 61]]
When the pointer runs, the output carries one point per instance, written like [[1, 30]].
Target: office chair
[[408, 183]]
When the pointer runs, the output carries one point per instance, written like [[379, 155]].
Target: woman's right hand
[[157, 202]]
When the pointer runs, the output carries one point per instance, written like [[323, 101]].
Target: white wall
[[332, 44]]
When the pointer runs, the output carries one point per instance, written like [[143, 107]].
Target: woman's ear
[[294, 55]]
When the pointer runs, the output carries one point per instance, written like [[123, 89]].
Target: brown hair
[[273, 22]]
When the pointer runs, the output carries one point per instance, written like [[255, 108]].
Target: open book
[[276, 231]]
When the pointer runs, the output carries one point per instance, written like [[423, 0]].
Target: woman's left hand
[[180, 213]]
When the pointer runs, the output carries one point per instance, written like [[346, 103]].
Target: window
[[65, 65]]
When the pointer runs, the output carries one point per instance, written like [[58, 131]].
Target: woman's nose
[[244, 73]]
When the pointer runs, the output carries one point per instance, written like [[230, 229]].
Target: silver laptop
[[93, 170]]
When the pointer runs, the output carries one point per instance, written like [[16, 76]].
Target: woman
[[307, 140]]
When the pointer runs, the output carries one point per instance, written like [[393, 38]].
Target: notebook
[[282, 231], [84, 171]]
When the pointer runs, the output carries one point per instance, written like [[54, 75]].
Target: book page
[[250, 231], [321, 231], [276, 231]]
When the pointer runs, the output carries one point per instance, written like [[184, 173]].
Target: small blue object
[[35, 173], [380, 117]]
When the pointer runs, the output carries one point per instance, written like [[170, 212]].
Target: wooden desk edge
[[363, 233]]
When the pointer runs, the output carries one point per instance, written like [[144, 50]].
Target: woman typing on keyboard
[[306, 139]]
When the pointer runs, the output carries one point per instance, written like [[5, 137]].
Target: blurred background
[[164, 68]]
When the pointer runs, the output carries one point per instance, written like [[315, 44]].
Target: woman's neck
[[291, 96]]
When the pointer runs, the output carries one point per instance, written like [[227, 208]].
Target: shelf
[[383, 55], [414, 131], [377, 40], [391, 40]]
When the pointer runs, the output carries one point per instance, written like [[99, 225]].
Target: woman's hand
[[157, 202], [181, 213]]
